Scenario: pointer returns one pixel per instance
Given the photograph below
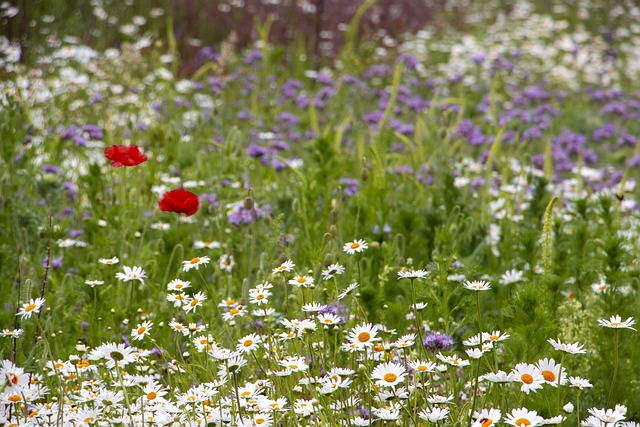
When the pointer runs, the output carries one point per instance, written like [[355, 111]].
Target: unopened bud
[[364, 174], [248, 203], [568, 408], [333, 216]]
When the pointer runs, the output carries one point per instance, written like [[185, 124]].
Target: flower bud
[[248, 203], [364, 174], [568, 408]]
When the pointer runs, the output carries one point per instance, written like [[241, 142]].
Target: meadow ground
[[437, 228]]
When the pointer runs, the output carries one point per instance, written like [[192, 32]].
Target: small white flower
[[356, 246], [132, 273]]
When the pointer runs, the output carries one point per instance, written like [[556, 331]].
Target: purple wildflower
[[435, 341]]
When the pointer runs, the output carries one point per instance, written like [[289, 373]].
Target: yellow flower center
[[364, 336], [378, 348], [260, 297], [194, 302], [260, 421], [523, 422], [390, 377], [230, 302], [301, 280], [548, 375], [89, 420], [494, 337], [355, 245], [152, 395], [179, 286], [293, 366], [486, 422], [29, 308], [234, 311], [422, 368], [614, 324], [527, 379], [83, 364], [207, 244], [15, 398], [141, 330], [248, 343]]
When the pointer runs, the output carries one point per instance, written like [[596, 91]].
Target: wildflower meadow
[[362, 226]]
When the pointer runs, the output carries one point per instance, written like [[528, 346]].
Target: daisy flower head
[[453, 360], [486, 417], [616, 322], [301, 281], [500, 377], [575, 348], [179, 327], [530, 377], [178, 285], [238, 311], [109, 261], [522, 417], [195, 302], [610, 416], [434, 415], [494, 336], [259, 296], [199, 244], [554, 420], [354, 247], [329, 319], [113, 353], [511, 276], [412, 274], [363, 335], [13, 377], [31, 307], [437, 399], [15, 333], [348, 290], [477, 285], [331, 271], [552, 373], [284, 267], [226, 263], [313, 307], [94, 283], [248, 343], [389, 374], [422, 366], [195, 262], [389, 413], [580, 383], [178, 299], [295, 364], [142, 330], [132, 273]]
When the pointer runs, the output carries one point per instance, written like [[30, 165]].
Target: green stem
[[124, 391], [615, 367]]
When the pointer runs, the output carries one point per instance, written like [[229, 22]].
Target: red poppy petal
[[179, 201]]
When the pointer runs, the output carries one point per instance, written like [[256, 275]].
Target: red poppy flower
[[179, 201], [124, 155]]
